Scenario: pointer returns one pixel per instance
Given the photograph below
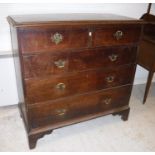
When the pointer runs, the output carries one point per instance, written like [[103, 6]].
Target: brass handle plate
[[60, 63], [113, 57], [57, 38], [118, 35], [60, 86], [110, 79], [61, 112], [107, 101]]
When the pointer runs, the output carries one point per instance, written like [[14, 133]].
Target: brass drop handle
[[57, 38], [60, 63], [118, 35], [60, 86], [110, 79], [107, 101], [61, 112], [113, 57]]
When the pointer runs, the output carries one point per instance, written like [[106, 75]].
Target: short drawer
[[116, 35], [48, 39], [43, 89], [55, 112], [40, 65]]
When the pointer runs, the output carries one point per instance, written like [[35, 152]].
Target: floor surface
[[108, 133]]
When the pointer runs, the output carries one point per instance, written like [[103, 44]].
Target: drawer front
[[43, 89], [49, 64], [77, 106], [116, 35], [102, 58], [47, 39]]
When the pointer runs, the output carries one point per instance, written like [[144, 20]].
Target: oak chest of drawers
[[72, 67]]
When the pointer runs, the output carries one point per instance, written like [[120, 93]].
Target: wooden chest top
[[69, 19]]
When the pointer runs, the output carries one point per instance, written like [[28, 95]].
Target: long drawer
[[73, 107], [43, 89], [40, 65]]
